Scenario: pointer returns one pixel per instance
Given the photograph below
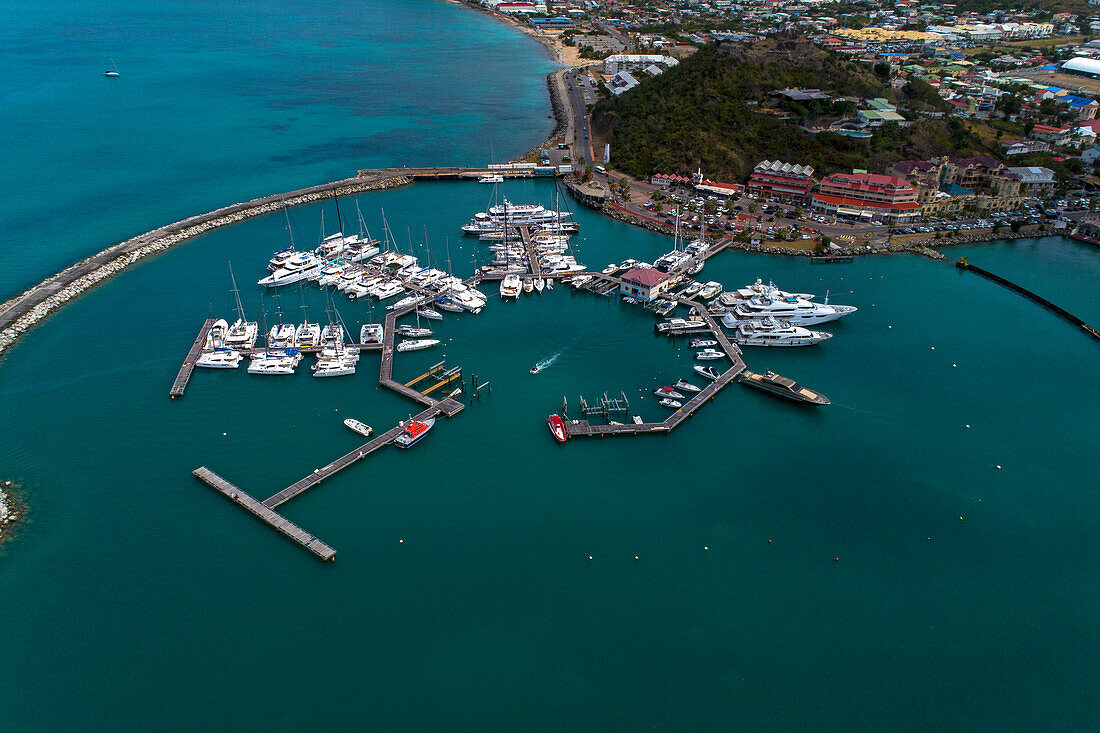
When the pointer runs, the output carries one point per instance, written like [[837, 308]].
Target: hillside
[[707, 112]]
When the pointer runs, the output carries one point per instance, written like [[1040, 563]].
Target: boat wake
[[545, 363]]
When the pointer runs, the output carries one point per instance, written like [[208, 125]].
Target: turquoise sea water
[[138, 598], [220, 102]]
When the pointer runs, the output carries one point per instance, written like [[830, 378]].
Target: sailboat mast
[[339, 218], [236, 294]]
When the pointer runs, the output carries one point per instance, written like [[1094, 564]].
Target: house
[[621, 82], [644, 283]]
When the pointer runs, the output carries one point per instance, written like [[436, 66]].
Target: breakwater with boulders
[[23, 312], [13, 510]]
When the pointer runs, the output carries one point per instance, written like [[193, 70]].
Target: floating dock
[[188, 366], [265, 510]]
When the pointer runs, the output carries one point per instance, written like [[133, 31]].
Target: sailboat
[[242, 334], [336, 359], [269, 361], [308, 334], [113, 71]]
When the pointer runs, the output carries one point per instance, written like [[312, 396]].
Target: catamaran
[[510, 286]]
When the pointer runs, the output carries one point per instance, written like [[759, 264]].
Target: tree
[[1009, 104], [752, 208], [710, 207], [882, 70]]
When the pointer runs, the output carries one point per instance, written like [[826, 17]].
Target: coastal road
[[579, 114]]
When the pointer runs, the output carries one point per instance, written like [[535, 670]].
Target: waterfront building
[[630, 61], [1034, 180], [644, 283], [866, 196], [788, 182]]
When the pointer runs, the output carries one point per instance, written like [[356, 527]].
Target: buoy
[[961, 519], [889, 326], [589, 557], [635, 557], [933, 348], [706, 549], [769, 542], [998, 467], [968, 426], [223, 433], [956, 366], [836, 559]]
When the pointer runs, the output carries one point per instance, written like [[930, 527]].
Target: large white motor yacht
[[769, 332]]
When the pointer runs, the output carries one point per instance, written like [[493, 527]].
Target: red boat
[[557, 427]]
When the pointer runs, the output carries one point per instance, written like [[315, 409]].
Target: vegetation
[[706, 113]]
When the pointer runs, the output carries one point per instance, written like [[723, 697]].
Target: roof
[[867, 181], [775, 166], [1082, 65], [647, 276], [864, 203]]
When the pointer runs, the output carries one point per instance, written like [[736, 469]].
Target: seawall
[[24, 311]]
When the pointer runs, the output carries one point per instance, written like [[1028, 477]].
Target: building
[[630, 61], [621, 82], [786, 181], [644, 283], [1035, 180], [1082, 66], [866, 196], [1023, 147]]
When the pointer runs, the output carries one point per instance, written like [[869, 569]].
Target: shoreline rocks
[[13, 510]]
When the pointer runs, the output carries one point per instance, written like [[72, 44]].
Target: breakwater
[[13, 510], [962, 264]]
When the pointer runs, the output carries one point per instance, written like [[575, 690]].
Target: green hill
[[708, 112]]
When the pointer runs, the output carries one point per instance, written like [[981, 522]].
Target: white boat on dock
[[417, 344]]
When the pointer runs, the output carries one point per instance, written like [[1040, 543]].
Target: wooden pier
[[582, 428], [265, 510], [962, 264], [533, 263], [188, 366], [272, 518]]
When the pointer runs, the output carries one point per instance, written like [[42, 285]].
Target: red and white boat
[[414, 431], [557, 427]]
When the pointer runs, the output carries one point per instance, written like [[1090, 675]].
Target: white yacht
[[417, 344], [281, 336], [219, 358], [708, 354], [491, 178], [308, 335], [769, 289], [215, 337], [371, 333], [387, 290], [275, 361], [797, 311], [337, 362], [297, 268], [242, 334], [410, 330], [769, 332], [332, 335], [510, 286], [710, 290], [514, 215]]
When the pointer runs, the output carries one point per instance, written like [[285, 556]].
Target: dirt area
[[1066, 81]]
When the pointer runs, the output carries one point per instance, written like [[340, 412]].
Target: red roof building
[[867, 196], [786, 181], [644, 283]]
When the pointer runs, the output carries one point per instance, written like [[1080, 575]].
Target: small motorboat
[[637, 419], [407, 330], [557, 428], [540, 284], [630, 301], [528, 285], [611, 269], [707, 371], [541, 365], [666, 402], [363, 429], [417, 344], [707, 354], [687, 386], [668, 392], [414, 432], [702, 343]]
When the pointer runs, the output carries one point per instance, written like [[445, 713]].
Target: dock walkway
[[188, 366]]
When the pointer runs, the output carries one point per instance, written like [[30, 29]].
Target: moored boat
[[668, 392], [707, 371], [707, 354], [365, 430], [687, 386], [414, 432], [417, 344], [783, 387], [666, 402], [557, 428]]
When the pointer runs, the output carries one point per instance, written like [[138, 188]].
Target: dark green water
[[139, 598]]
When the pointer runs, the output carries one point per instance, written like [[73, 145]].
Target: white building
[[631, 61]]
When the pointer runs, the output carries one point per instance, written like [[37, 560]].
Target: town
[[1019, 87]]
